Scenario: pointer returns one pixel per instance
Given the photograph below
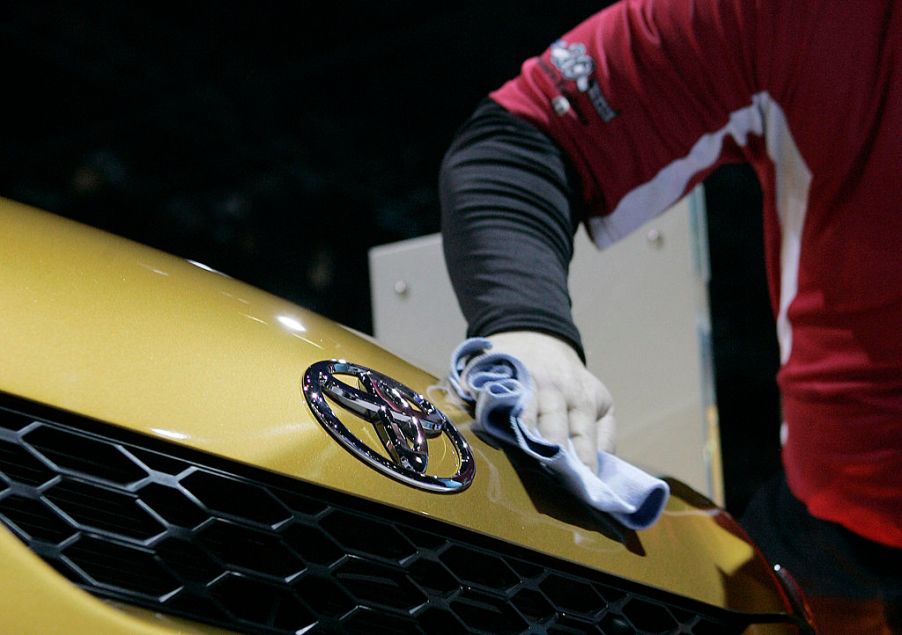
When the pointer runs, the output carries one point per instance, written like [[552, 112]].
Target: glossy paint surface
[[122, 333]]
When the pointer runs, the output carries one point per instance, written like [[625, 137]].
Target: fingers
[[570, 417], [606, 426], [583, 434], [552, 421], [607, 432]]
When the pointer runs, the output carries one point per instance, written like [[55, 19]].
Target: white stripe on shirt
[[763, 117]]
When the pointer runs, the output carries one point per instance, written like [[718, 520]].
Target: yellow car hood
[[115, 331]]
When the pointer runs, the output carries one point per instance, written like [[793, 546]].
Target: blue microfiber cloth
[[500, 386]]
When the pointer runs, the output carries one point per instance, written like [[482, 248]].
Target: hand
[[569, 402]]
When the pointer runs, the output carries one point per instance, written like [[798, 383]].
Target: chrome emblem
[[403, 419]]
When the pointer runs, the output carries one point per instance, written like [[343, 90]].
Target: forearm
[[510, 208]]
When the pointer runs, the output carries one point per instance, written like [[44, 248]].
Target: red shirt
[[649, 96]]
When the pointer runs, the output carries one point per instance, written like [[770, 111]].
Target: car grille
[[176, 531]]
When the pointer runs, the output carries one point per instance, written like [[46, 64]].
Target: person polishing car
[[615, 122]]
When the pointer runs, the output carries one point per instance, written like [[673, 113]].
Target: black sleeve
[[510, 207]]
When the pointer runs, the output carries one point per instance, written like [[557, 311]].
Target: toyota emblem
[[402, 418]]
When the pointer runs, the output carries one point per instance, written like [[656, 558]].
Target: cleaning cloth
[[500, 386]]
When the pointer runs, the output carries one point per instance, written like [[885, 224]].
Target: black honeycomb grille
[[179, 532]]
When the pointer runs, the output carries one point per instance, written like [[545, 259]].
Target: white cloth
[[499, 386]]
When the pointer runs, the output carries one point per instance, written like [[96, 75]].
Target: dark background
[[277, 142]]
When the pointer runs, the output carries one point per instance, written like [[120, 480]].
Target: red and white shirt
[[649, 96]]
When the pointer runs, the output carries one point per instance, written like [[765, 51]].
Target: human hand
[[569, 403]]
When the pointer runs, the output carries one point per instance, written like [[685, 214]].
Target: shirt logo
[[573, 62], [577, 66]]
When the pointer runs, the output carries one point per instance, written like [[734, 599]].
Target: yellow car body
[[118, 358]]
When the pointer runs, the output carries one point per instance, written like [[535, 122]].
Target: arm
[[626, 113], [511, 205], [509, 212]]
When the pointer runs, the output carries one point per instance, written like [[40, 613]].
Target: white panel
[[415, 313], [642, 310]]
